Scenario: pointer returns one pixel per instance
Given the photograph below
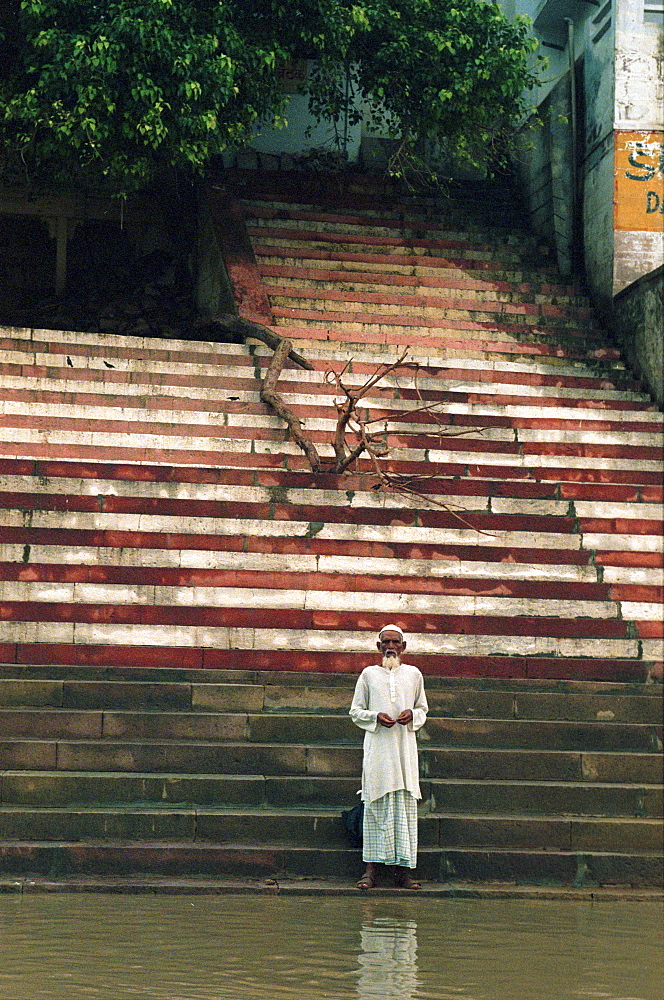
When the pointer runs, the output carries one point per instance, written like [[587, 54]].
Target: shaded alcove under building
[[74, 265]]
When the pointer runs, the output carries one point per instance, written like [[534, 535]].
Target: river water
[[87, 947]]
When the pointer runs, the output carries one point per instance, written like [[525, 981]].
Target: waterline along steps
[[185, 604]]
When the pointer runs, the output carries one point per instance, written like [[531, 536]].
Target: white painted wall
[[303, 133], [639, 107], [639, 69]]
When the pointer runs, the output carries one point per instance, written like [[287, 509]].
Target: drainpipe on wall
[[575, 249], [572, 96]]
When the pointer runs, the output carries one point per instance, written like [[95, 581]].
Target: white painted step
[[360, 499], [269, 562], [322, 640]]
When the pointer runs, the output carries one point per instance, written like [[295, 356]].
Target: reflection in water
[[77, 947], [387, 959]]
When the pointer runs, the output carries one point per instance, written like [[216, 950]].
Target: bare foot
[[404, 881]]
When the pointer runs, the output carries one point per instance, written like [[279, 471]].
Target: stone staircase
[[170, 773], [185, 604]]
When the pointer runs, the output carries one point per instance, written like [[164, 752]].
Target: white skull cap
[[390, 628]]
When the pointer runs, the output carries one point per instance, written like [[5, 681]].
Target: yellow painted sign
[[639, 181]]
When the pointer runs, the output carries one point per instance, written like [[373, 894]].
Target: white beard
[[391, 660]]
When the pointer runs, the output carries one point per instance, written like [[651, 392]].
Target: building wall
[[303, 133], [639, 136], [597, 97], [572, 148], [639, 325], [612, 141]]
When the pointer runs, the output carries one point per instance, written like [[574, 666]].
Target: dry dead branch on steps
[[236, 329], [273, 399], [349, 420], [375, 444], [353, 436]]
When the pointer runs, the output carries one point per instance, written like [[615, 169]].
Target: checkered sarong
[[390, 830]]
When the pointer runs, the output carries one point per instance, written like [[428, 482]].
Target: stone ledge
[[317, 887]]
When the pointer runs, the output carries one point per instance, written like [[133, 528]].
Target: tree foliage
[[121, 88]]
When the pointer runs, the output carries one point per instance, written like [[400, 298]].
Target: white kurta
[[390, 755]]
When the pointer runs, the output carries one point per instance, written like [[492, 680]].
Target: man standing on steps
[[390, 705]]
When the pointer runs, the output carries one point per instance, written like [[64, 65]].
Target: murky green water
[[251, 948]]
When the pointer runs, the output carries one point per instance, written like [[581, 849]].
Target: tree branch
[[236, 328], [273, 399]]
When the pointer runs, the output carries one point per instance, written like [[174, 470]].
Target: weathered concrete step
[[403, 225], [286, 727], [321, 828], [52, 530], [371, 196], [418, 434], [384, 555], [502, 382], [362, 307], [477, 764], [192, 586], [273, 697], [187, 482], [177, 756], [190, 565], [412, 425], [244, 415], [481, 289], [272, 244], [594, 868], [452, 306], [263, 629], [215, 443], [583, 622], [398, 328], [538, 518], [152, 364], [416, 247], [306, 258], [146, 670], [561, 833], [557, 423], [456, 344], [241, 398], [480, 346], [366, 358], [544, 798], [191, 568], [366, 191], [65, 788], [62, 860], [546, 467], [366, 259], [28, 367], [399, 240], [144, 359], [391, 208], [309, 591], [167, 494], [492, 652]]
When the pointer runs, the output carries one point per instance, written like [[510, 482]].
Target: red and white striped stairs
[[156, 515]]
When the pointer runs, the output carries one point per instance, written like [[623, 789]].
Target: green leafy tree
[[122, 88]]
